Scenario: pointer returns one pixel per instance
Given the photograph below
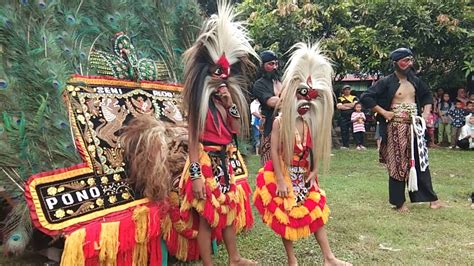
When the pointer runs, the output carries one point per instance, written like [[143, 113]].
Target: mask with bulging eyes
[[222, 68], [305, 93]]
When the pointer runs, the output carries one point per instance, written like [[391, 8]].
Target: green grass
[[364, 230], [362, 225]]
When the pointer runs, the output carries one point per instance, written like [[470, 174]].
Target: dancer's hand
[[199, 190], [388, 115], [282, 188], [224, 96], [312, 177]]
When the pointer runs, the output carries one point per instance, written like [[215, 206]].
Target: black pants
[[463, 144], [425, 193], [359, 138], [345, 124]]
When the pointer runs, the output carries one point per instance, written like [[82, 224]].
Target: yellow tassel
[[140, 254], [326, 214], [268, 217], [109, 243], [316, 213], [231, 217], [314, 196], [269, 177], [265, 195], [289, 202], [281, 216], [224, 209], [182, 251], [166, 226], [240, 220], [73, 253], [299, 212], [198, 205], [215, 202], [216, 219], [297, 233]]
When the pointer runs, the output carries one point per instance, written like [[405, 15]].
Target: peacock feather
[[41, 44]]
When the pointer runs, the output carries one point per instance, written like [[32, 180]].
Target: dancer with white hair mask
[[288, 195]]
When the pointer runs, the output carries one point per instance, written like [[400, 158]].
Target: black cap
[[268, 56], [400, 53]]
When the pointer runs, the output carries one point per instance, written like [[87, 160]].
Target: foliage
[[359, 35], [43, 43]]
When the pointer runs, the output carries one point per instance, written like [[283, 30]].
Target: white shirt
[[254, 106]]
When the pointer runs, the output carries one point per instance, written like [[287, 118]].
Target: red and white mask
[[305, 94]]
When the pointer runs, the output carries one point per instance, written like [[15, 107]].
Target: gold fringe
[[265, 195], [325, 214], [73, 253], [166, 226], [182, 251], [297, 233], [109, 243], [140, 254], [299, 212], [240, 219], [281, 216], [269, 177], [267, 217]]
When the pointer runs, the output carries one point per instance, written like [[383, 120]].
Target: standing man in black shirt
[[399, 98], [345, 104], [267, 90]]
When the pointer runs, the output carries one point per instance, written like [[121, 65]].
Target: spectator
[[358, 126], [267, 90], [255, 123], [466, 136], [444, 125], [462, 97], [437, 99], [457, 116], [430, 127], [470, 107], [345, 103], [377, 137]]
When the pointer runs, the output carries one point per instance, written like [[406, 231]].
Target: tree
[[359, 35]]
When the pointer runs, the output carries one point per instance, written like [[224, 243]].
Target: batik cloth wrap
[[395, 152], [265, 149], [304, 211]]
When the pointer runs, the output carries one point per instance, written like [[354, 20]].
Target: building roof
[[358, 77]]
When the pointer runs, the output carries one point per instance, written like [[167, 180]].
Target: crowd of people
[[447, 125]]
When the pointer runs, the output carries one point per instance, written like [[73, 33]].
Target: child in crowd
[[470, 107], [358, 126], [444, 126], [457, 116], [430, 126]]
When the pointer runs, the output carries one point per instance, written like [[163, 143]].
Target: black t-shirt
[[263, 90]]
